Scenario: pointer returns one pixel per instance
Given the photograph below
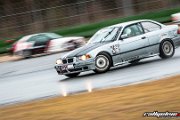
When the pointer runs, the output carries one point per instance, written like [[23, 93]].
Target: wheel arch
[[106, 53], [161, 53], [166, 39]]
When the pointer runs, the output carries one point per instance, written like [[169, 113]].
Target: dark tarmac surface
[[36, 78]]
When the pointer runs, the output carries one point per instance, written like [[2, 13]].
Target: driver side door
[[133, 45]]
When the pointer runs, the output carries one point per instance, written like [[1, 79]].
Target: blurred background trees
[[20, 17]]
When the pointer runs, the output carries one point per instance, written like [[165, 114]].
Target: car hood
[[83, 50]]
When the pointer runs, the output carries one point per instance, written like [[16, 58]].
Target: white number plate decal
[[115, 48]]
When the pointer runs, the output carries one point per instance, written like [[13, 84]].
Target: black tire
[[26, 54], [72, 75], [103, 62], [166, 49], [134, 61]]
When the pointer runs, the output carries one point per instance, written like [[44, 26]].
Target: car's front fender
[[104, 48]]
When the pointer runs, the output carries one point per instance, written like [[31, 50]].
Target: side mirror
[[124, 36]]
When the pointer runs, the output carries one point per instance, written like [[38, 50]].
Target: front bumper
[[75, 67]]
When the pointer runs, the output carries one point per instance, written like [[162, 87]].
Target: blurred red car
[[45, 43], [175, 17]]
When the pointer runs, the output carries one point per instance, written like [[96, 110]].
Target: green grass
[[88, 30], [4, 46]]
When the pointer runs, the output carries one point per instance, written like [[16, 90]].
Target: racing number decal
[[115, 48]]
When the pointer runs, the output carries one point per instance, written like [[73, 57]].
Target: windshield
[[53, 35], [25, 38], [104, 35]]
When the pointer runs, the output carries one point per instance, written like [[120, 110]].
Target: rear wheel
[[72, 75], [166, 49], [102, 63]]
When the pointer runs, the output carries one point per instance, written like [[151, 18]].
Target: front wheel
[[72, 75], [102, 63], [166, 49], [26, 54]]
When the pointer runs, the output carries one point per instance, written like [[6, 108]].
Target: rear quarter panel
[[169, 32], [156, 37]]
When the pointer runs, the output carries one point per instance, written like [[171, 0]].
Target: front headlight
[[58, 61], [84, 57]]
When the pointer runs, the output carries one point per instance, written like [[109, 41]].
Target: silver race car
[[119, 44]]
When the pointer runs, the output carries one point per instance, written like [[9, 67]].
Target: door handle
[[143, 37]]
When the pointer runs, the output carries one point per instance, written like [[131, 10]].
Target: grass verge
[[124, 103]]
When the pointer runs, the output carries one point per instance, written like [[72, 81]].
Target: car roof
[[44, 33], [40, 33], [26, 37], [130, 22]]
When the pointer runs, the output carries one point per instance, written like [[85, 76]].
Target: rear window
[[150, 26]]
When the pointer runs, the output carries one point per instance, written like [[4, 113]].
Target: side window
[[150, 26], [39, 38], [133, 30]]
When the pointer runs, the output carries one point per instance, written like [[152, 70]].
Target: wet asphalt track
[[36, 78]]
